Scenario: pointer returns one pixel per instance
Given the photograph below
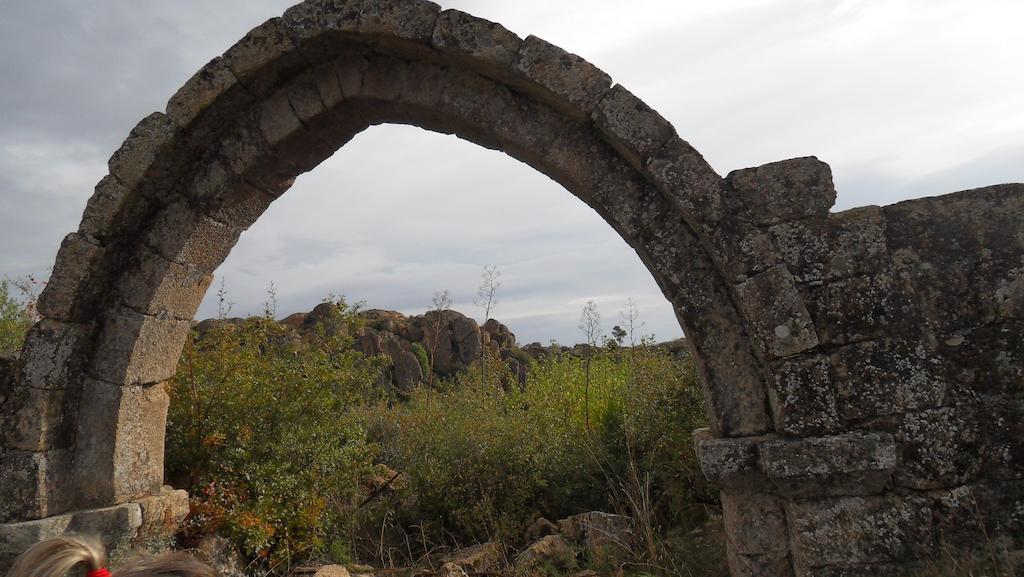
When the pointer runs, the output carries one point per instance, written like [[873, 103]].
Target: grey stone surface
[[134, 348], [776, 313], [72, 286], [569, 82]]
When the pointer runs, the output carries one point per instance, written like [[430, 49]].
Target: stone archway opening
[[861, 372]]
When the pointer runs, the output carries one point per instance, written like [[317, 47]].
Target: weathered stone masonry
[[863, 370]]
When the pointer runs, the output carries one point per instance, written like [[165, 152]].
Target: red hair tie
[[104, 572]]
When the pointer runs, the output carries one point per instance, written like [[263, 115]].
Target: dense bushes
[[481, 462], [287, 446], [258, 432]]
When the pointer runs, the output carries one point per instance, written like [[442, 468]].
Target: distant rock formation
[[451, 338]]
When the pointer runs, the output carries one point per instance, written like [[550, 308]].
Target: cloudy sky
[[903, 98]]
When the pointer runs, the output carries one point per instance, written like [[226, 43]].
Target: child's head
[[56, 557]]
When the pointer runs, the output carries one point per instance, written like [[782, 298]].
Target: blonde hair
[[57, 556]]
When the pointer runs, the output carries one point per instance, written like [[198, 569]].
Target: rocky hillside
[[451, 338]]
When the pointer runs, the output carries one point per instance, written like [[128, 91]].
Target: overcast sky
[[903, 99]]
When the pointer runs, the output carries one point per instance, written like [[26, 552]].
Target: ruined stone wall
[[862, 370], [894, 341]]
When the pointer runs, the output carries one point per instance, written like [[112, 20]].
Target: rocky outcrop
[[450, 338]]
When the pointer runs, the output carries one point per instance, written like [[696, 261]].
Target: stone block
[[802, 396], [858, 530], [248, 156], [634, 129], [350, 71], [1003, 437], [328, 86], [238, 204], [858, 243], [134, 348], [183, 235], [76, 281], [157, 287], [278, 121], [320, 28], [565, 81], [214, 83], [485, 46], [33, 484], [986, 360], [776, 314], [755, 523], [264, 58], [113, 211], [805, 247], [114, 526], [887, 377], [54, 354], [304, 97], [120, 449], [849, 464], [34, 419], [162, 514], [690, 182], [579, 160], [939, 447], [424, 85], [742, 250], [981, 517], [289, 139], [786, 190], [731, 464], [384, 78], [857, 308], [130, 163]]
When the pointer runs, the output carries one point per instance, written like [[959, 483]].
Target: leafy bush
[[482, 461], [422, 358], [16, 317], [260, 433]]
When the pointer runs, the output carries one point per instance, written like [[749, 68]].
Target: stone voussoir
[[214, 83], [72, 287], [565, 81], [776, 313], [134, 158], [634, 129], [486, 47]]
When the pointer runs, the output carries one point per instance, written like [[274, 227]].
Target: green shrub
[[260, 433], [16, 317], [421, 356], [482, 461]]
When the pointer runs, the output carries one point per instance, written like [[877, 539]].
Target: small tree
[[223, 304], [630, 319], [270, 307], [441, 302], [590, 325], [488, 289], [486, 299]]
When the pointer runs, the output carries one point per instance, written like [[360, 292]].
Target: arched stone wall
[[823, 340]]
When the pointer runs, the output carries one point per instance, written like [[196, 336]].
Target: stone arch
[[780, 300]]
